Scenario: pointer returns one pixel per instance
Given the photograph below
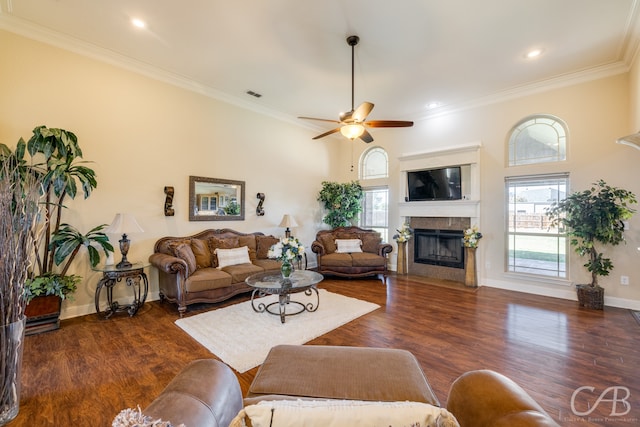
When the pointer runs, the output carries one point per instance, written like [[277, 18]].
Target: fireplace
[[438, 247]]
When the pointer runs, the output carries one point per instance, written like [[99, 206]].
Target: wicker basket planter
[[591, 296]]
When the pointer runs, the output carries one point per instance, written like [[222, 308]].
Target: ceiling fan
[[353, 123]]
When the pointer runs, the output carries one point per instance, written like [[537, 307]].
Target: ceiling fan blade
[[388, 124], [321, 120], [322, 135], [346, 116], [361, 113], [366, 137]]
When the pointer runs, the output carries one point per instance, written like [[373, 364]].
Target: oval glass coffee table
[[272, 283]]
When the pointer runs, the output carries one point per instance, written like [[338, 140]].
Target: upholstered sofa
[[351, 252], [207, 392], [210, 266]]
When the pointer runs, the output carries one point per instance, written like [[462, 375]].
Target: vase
[[402, 258], [470, 272], [11, 345], [286, 268]]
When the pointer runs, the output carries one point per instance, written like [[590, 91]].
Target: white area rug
[[242, 338]]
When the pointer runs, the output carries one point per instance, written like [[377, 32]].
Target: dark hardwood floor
[[86, 372]]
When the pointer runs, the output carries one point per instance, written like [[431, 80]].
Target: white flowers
[[471, 237], [287, 248], [404, 234]]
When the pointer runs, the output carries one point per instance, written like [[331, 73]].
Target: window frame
[[563, 140], [508, 234]]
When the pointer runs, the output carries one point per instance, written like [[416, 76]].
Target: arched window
[[374, 164], [538, 139]]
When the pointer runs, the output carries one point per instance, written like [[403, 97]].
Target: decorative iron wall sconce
[[168, 202], [260, 209]]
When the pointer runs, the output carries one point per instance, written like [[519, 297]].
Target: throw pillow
[[202, 253], [328, 240], [235, 256], [185, 253], [370, 242], [221, 243], [344, 413], [250, 242], [263, 244], [348, 245]]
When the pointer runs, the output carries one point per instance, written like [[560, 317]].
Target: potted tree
[[342, 201], [594, 217], [54, 157]]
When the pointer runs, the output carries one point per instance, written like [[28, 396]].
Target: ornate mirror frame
[[217, 195]]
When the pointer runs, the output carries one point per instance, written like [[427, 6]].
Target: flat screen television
[[434, 184]]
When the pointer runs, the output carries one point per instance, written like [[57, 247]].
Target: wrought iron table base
[[284, 300], [132, 279]]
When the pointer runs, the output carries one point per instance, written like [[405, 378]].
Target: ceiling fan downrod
[[352, 41]]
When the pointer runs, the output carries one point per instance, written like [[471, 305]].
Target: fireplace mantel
[[447, 208]]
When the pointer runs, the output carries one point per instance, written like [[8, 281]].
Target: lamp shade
[[632, 140], [288, 221], [124, 223], [352, 131]]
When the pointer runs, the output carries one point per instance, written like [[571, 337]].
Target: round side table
[[133, 276]]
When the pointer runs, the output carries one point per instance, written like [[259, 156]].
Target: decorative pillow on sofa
[[250, 242], [184, 252], [370, 242], [235, 256], [344, 413], [221, 243], [263, 244], [328, 240], [202, 253], [348, 245]]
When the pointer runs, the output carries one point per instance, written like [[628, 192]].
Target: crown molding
[[38, 33]]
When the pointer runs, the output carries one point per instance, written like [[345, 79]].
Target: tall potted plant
[[55, 155], [19, 209], [342, 201], [594, 217]]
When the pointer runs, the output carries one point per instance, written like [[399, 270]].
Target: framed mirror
[[214, 199]]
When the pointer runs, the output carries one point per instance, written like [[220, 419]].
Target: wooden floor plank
[[90, 369]]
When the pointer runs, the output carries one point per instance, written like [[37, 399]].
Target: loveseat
[[207, 392], [351, 252], [210, 266]]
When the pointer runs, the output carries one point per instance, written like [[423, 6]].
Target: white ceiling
[[294, 53]]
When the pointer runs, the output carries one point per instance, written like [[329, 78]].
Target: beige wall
[[142, 135], [597, 113]]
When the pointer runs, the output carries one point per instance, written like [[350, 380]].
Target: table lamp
[[124, 223], [288, 221]]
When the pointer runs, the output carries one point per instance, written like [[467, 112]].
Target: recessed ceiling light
[[138, 23], [433, 105], [534, 53]]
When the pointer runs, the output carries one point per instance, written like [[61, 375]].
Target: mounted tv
[[434, 184]]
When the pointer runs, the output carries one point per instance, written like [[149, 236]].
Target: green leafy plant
[[594, 216], [342, 201], [54, 158], [52, 284], [232, 208]]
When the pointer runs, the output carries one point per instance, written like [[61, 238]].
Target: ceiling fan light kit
[[353, 122]]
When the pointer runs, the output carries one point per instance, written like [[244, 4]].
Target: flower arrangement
[[287, 249], [471, 237], [404, 234]]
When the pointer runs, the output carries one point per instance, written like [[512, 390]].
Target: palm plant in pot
[[19, 209], [594, 217], [54, 155]]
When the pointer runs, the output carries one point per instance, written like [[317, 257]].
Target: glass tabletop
[[274, 280], [112, 267]]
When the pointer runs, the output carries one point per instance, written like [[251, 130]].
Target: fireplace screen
[[439, 247]]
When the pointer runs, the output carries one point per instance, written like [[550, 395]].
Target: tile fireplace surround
[[435, 223]]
